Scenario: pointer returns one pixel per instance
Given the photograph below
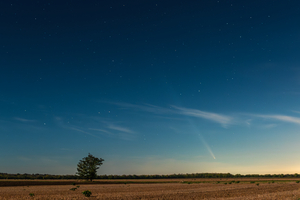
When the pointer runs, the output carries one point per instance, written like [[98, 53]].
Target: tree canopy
[[88, 166]]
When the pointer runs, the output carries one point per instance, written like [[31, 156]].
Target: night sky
[[152, 87]]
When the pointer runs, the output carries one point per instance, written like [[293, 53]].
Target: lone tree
[[87, 167]]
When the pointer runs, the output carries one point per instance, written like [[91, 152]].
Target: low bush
[[31, 194], [87, 193]]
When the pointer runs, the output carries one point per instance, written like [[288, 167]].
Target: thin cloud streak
[[128, 135], [147, 108], [99, 130], [121, 129], [222, 119], [269, 126], [24, 120], [109, 130], [218, 118], [283, 118], [76, 129]]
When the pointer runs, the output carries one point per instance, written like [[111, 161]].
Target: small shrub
[[218, 182], [257, 184], [73, 183], [78, 186], [229, 182], [87, 193], [297, 181], [73, 189], [252, 182], [237, 182], [225, 183], [273, 181], [31, 194]]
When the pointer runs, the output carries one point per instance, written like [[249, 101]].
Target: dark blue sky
[[159, 86]]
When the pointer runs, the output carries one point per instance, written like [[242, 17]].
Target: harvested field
[[178, 189]]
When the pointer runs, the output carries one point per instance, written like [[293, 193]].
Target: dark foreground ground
[[155, 189]]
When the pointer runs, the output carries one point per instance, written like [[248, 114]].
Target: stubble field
[[159, 189]]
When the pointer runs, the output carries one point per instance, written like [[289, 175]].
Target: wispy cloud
[[268, 126], [146, 107], [116, 132], [122, 132], [218, 118], [248, 122], [104, 128], [222, 119], [60, 122], [283, 118], [82, 131], [99, 130], [24, 120], [119, 128]]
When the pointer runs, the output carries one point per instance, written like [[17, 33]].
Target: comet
[[207, 146]]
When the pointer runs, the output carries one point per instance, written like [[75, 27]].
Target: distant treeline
[[196, 175]]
